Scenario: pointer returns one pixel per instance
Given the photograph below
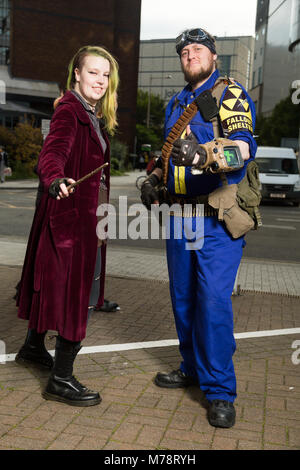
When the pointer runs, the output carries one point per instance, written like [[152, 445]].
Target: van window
[[277, 165]]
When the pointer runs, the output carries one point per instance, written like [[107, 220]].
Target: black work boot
[[62, 385], [34, 352], [175, 379], [221, 414]]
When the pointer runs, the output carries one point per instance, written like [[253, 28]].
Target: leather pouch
[[237, 221]]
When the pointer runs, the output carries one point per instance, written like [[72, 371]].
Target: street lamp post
[[149, 96]]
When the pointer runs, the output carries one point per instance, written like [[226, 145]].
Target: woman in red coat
[[62, 248]]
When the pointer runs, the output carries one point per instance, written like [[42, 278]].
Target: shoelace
[[77, 384]]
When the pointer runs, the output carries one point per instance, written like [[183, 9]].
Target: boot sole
[[221, 424], [51, 396], [27, 362]]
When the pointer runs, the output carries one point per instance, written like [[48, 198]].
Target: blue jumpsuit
[[202, 280]]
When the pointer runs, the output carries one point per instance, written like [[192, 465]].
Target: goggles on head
[[194, 35]]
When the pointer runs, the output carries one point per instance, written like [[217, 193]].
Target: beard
[[197, 76]]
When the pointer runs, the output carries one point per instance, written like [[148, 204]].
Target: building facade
[[43, 37], [276, 63], [160, 70]]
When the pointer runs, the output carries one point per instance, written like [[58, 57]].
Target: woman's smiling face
[[93, 78]]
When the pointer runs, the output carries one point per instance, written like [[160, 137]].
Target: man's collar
[[205, 86]]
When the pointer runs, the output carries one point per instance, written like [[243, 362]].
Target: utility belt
[[224, 203], [190, 207]]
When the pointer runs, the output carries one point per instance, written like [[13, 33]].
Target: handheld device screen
[[231, 156]]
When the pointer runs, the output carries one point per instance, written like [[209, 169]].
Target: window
[[4, 31], [253, 79], [224, 64], [259, 75]]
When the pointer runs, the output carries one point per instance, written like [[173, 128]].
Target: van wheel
[[296, 204]]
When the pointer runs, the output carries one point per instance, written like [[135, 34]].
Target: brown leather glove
[[184, 151], [149, 195]]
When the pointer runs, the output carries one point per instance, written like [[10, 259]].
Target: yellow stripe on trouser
[[179, 179], [179, 175]]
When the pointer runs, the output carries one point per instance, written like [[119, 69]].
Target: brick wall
[[46, 34]]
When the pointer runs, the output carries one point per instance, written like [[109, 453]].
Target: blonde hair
[[107, 105]]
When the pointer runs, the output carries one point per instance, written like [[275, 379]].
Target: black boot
[[62, 385], [221, 414], [175, 379], [34, 352]]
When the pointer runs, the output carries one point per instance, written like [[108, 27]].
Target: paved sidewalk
[[123, 351], [127, 178], [254, 275], [134, 413]]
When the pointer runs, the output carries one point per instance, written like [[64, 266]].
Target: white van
[[278, 174]]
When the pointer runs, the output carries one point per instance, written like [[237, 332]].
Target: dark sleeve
[[57, 146], [6, 159]]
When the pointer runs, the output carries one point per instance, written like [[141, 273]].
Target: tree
[[283, 122], [23, 145], [154, 134]]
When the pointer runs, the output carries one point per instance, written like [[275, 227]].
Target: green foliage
[[157, 109], [23, 145], [118, 155], [148, 136], [154, 134], [7, 139], [283, 122]]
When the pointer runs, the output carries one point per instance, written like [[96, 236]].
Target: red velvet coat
[[61, 252]]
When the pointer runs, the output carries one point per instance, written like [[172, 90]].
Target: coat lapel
[[81, 114]]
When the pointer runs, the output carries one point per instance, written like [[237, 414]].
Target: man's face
[[197, 63]]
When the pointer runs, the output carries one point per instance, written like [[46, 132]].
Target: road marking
[[5, 204], [162, 343], [11, 206], [282, 227], [288, 220], [264, 333]]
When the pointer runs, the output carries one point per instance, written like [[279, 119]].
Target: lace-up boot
[[34, 352], [62, 385]]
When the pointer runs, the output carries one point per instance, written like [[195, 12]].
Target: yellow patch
[[235, 111]]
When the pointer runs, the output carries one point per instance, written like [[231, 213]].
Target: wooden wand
[[73, 185]]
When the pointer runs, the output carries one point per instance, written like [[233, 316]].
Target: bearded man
[[202, 274]]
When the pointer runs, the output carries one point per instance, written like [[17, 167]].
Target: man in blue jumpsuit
[[202, 280]]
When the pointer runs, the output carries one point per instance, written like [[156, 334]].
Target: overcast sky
[[168, 18]]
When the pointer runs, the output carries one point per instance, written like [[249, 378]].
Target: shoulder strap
[[174, 134], [217, 92]]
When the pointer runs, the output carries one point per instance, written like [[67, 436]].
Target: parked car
[[278, 174]]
